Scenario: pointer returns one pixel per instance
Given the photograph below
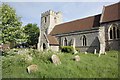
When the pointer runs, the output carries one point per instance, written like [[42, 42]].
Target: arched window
[[65, 42], [71, 42], [114, 32], [111, 34], [118, 33], [84, 40]]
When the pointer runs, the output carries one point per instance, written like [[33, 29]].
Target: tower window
[[45, 19], [55, 19]]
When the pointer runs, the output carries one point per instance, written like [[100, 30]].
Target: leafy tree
[[11, 30], [33, 31]]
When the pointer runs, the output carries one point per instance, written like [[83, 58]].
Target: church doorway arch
[[44, 46]]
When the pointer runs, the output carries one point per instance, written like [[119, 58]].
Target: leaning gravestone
[[99, 53], [77, 58], [32, 68], [55, 59]]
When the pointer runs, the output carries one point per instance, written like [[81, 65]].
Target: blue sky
[[31, 11]]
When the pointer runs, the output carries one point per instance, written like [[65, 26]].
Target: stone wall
[[111, 44], [54, 48], [91, 39]]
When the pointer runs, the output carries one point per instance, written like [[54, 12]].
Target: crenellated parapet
[[50, 12]]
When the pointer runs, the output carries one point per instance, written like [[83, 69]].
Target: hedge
[[67, 49]]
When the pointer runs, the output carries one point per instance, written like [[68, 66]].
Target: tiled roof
[[111, 13], [77, 25], [52, 40]]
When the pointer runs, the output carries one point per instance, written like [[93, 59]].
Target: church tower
[[49, 19]]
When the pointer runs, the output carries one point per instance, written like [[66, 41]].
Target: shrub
[[67, 49], [10, 52]]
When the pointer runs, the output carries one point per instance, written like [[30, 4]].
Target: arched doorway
[[44, 46]]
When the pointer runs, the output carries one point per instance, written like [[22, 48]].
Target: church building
[[99, 32]]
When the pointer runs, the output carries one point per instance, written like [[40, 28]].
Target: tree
[[11, 30], [33, 31]]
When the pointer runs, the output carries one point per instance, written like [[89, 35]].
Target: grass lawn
[[89, 66]]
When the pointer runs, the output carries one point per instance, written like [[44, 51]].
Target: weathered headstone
[[95, 51], [75, 52], [85, 52], [4, 47], [99, 53], [77, 58], [55, 59], [32, 68], [105, 53]]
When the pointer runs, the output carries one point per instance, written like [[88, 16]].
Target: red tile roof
[[77, 25], [111, 13], [52, 40]]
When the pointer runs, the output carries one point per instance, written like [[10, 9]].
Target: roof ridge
[[113, 4], [79, 19]]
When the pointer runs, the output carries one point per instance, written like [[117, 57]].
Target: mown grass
[[89, 66]]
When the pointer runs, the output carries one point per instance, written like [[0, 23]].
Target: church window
[[114, 32], [71, 42], [84, 40], [118, 33], [65, 42], [111, 34]]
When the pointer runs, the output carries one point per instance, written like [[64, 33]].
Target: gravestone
[[55, 59], [32, 68], [75, 52], [99, 53], [77, 58], [95, 51], [105, 53], [85, 52]]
